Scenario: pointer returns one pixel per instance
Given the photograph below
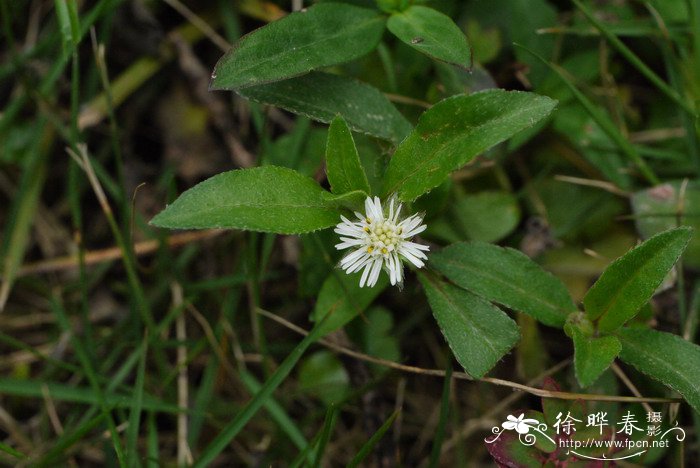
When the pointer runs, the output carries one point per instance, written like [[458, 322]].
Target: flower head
[[379, 240]]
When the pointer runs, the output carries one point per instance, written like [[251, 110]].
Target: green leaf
[[345, 172], [374, 334], [431, 33], [630, 281], [526, 17], [302, 149], [576, 211], [665, 357], [662, 207], [478, 332], [322, 96], [508, 277], [508, 450], [353, 201], [592, 356], [323, 376], [267, 199], [487, 216], [343, 298], [454, 131], [531, 358], [322, 35]]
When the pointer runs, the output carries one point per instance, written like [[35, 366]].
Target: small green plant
[[465, 283], [388, 188]]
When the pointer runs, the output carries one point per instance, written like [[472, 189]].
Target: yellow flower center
[[383, 235]]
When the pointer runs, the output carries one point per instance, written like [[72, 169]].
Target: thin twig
[[200, 24], [211, 337], [657, 134], [408, 100], [184, 456], [601, 184], [51, 410], [464, 376], [628, 383], [113, 253]]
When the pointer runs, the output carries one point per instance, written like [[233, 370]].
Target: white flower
[[379, 239], [521, 425]]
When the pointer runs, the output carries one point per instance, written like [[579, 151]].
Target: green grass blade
[[89, 370], [635, 61], [306, 454], [234, 427], [202, 398], [328, 425], [132, 433], [277, 412], [23, 209], [64, 24], [369, 445], [602, 119], [153, 459], [60, 447], [11, 451], [442, 423]]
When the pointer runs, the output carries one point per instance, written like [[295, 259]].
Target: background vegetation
[[108, 326]]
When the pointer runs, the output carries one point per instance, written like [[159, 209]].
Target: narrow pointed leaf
[[367, 448], [276, 411], [345, 172], [508, 277], [630, 281], [454, 131], [431, 33], [241, 419], [592, 356], [267, 199], [635, 61], [665, 357], [84, 395], [11, 451], [328, 426], [323, 96], [319, 36], [436, 450], [478, 333], [602, 119]]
